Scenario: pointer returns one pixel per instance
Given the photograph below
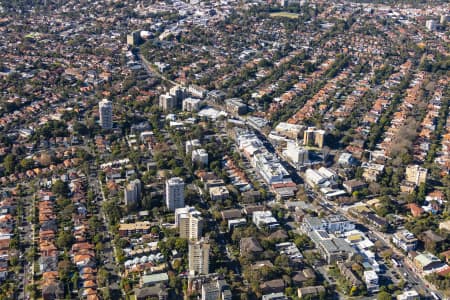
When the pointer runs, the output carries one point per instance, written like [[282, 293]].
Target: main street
[[405, 270]]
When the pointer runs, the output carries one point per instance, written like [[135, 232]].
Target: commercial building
[[257, 122], [236, 106], [217, 289], [174, 193], [331, 248], [331, 224], [321, 230], [200, 156], [105, 112], [132, 192], [270, 168], [266, 164], [323, 177], [426, 262], [297, 154], [314, 137], [405, 240], [371, 280], [292, 131], [199, 256], [189, 222]]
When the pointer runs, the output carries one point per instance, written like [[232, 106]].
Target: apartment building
[[105, 112], [199, 256], [189, 222], [174, 193]]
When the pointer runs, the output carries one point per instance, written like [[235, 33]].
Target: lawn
[[284, 15]]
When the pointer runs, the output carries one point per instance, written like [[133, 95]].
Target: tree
[[181, 245], [102, 277], [74, 279], [27, 163], [45, 159], [80, 128], [64, 240], [282, 261], [384, 296], [60, 188], [302, 241], [9, 163], [379, 245], [177, 171], [64, 269], [386, 254]]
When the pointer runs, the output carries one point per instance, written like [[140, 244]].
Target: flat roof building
[[264, 219], [152, 279], [105, 112], [199, 256], [405, 240], [174, 193], [189, 222]]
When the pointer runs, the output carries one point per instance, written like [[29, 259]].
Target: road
[[149, 68], [110, 251]]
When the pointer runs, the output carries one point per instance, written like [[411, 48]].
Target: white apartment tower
[[199, 256], [105, 110], [174, 193], [200, 156], [189, 222], [132, 192]]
